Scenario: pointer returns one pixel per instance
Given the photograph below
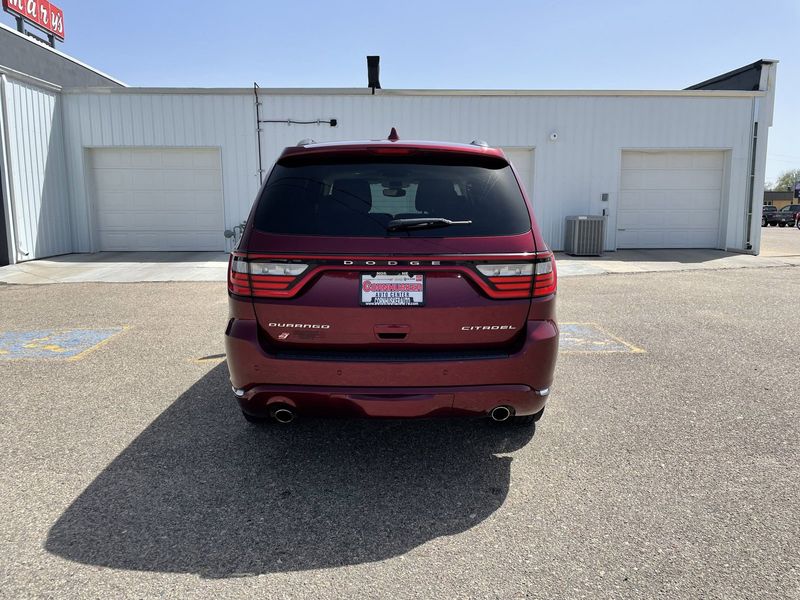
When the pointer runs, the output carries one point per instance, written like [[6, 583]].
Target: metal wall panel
[[36, 162], [159, 120], [570, 174]]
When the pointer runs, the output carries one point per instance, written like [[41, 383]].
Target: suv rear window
[[361, 198]]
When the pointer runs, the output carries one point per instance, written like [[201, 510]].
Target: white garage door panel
[[648, 179], [162, 221], [665, 220], [673, 159], [147, 242], [158, 199], [666, 238], [670, 199]]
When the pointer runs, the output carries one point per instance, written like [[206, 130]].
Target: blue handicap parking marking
[[588, 337], [52, 344]]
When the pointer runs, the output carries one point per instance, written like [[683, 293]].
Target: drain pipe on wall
[[751, 185], [258, 134], [6, 179]]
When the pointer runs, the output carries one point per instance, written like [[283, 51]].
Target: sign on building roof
[[41, 13]]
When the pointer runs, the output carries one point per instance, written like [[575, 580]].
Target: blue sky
[[547, 44]]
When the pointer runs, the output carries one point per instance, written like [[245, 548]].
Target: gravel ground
[[670, 473]]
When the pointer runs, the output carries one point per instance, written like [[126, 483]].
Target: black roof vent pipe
[[374, 72]]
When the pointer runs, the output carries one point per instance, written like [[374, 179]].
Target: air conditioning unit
[[585, 235]]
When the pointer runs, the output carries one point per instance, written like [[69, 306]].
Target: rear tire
[[763, 222]]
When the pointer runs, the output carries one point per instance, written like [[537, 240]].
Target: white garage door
[[522, 159], [158, 198], [670, 199]]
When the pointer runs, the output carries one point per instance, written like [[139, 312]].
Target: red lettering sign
[[41, 13], [368, 286]]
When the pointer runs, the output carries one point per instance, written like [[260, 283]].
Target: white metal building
[[119, 168]]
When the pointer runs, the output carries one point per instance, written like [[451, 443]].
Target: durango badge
[[299, 325]]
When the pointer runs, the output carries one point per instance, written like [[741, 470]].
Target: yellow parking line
[[633, 349], [82, 355], [219, 358]]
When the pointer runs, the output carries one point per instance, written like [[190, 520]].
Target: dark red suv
[[392, 279]]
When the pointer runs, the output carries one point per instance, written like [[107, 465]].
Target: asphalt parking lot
[[667, 472], [780, 241]]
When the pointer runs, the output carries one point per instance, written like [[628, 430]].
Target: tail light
[[238, 276], [264, 276], [262, 279], [508, 280], [545, 279], [520, 280]]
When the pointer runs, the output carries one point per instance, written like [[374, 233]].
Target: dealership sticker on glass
[[392, 289]]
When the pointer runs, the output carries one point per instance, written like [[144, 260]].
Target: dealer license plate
[[392, 289]]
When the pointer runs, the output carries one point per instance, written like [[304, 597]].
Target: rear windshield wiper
[[423, 223]]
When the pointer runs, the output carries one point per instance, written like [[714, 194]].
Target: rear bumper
[[426, 388], [402, 402]]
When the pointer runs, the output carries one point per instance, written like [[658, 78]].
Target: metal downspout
[[751, 178], [258, 133]]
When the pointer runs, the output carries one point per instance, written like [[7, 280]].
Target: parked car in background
[[794, 211], [767, 210], [392, 279], [772, 216]]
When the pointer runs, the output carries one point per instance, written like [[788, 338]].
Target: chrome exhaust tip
[[283, 415], [501, 413]]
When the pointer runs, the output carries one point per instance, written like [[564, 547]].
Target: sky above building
[[548, 44]]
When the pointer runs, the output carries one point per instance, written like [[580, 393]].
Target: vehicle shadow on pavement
[[202, 491]]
